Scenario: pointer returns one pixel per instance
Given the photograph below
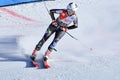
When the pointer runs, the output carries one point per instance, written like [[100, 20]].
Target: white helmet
[[72, 6]]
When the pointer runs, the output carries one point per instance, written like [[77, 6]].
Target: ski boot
[[45, 58]]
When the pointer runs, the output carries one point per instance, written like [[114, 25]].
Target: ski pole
[[71, 36], [46, 7], [79, 41]]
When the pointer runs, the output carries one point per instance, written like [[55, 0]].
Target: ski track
[[73, 60]]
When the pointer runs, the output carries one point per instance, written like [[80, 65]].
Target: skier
[[59, 26]]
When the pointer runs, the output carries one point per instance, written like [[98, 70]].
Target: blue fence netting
[[4, 3]]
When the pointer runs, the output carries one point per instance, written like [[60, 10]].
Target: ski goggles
[[70, 11]]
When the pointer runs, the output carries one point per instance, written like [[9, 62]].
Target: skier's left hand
[[54, 23]]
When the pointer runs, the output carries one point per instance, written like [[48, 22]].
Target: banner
[[16, 2]]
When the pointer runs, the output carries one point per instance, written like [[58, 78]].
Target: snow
[[98, 29]]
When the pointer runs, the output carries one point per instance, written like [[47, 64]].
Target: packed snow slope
[[22, 26]]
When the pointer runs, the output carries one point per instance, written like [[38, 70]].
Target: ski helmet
[[72, 6]]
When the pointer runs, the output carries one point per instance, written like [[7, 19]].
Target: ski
[[35, 64], [46, 65]]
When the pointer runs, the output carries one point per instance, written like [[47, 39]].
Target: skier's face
[[70, 12]]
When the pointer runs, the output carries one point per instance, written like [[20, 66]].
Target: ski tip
[[47, 67], [35, 64]]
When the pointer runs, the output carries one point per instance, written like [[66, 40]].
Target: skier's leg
[[58, 35], [43, 40], [50, 30], [48, 33]]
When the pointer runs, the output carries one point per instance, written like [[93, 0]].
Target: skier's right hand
[[64, 28], [54, 23]]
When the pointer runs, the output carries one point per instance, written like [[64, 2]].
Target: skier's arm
[[57, 11], [75, 25], [52, 14], [72, 27]]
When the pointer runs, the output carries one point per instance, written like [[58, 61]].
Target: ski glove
[[64, 28], [54, 23]]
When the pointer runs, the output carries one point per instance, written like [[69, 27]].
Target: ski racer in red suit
[[59, 26]]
